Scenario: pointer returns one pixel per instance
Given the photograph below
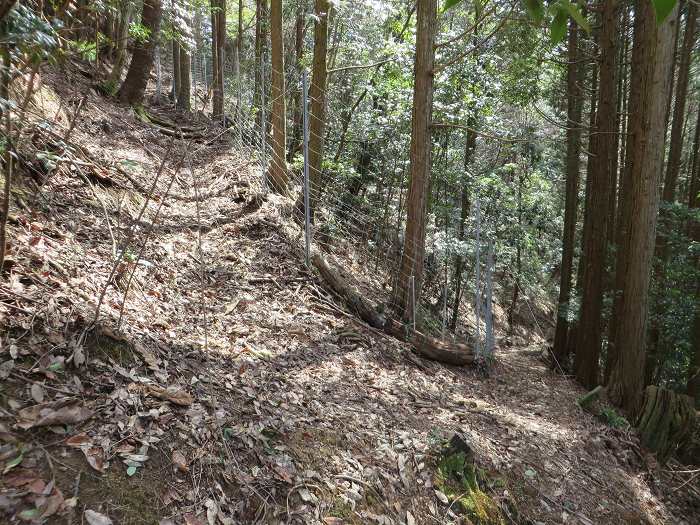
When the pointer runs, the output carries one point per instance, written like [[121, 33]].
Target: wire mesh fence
[[359, 199]]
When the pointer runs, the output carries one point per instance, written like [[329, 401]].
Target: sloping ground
[[284, 408]]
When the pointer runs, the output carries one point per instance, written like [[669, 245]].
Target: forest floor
[[279, 406]]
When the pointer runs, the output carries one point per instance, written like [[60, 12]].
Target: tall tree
[[134, 86], [651, 60], [125, 13], [185, 83], [603, 152], [574, 113], [317, 94], [673, 164], [296, 96], [694, 204], [218, 41], [278, 168], [260, 46], [411, 268]]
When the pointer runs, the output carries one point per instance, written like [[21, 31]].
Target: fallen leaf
[[37, 393], [52, 504], [95, 518], [29, 515], [331, 520], [78, 356], [180, 462], [130, 471], [410, 520], [6, 435], [192, 519], [78, 440], [174, 394], [442, 497], [95, 457], [63, 412], [212, 511], [13, 463]]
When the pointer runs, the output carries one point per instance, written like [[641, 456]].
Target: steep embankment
[[237, 388]]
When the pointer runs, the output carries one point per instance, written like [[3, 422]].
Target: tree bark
[[417, 198], [122, 35], [260, 46], [134, 86], [317, 94], [573, 152], [278, 168], [469, 148], [589, 334], [651, 59], [184, 91], [296, 97], [665, 421], [673, 165], [175, 86]]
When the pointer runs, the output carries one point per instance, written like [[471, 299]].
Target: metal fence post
[[477, 294], [307, 205], [413, 300], [490, 343]]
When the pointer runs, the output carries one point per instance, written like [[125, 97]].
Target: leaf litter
[[283, 408]]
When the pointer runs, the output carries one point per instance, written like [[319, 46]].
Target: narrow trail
[[295, 411]]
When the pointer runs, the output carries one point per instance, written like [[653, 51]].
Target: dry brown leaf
[[37, 393], [78, 440], [49, 506], [95, 518], [63, 412], [174, 394], [192, 519], [180, 462]]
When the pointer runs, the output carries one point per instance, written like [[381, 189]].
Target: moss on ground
[[458, 478]]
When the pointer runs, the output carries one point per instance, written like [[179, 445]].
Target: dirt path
[[285, 408]]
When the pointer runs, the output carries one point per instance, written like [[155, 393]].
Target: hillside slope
[[237, 388]]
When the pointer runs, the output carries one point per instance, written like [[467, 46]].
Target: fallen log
[[426, 346]]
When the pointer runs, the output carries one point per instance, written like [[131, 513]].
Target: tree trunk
[[673, 165], [693, 388], [175, 87], [674, 157], [589, 334], [125, 14], [651, 59], [572, 336], [317, 94], [218, 40], [134, 86], [260, 46], [573, 152], [185, 81], [296, 97], [411, 268], [7, 160], [278, 168]]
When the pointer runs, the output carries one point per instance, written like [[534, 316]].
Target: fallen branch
[[426, 346]]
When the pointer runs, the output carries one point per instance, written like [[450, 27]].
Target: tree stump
[[665, 421]]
